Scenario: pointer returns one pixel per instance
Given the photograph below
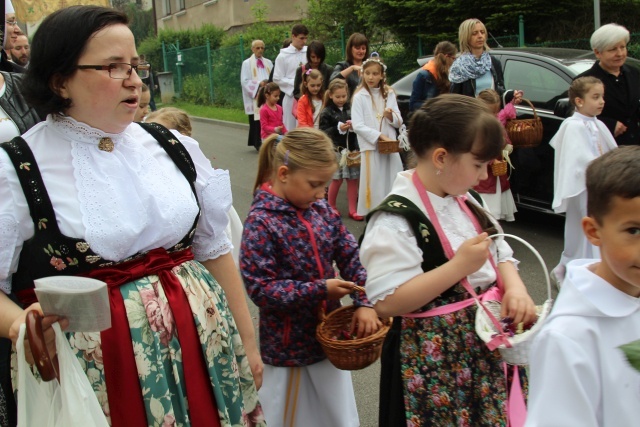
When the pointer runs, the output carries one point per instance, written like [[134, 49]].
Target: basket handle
[[47, 366], [535, 114], [535, 252]]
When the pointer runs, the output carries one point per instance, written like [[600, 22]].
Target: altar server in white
[[580, 139], [579, 375], [287, 62]]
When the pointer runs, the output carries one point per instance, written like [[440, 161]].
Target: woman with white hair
[[621, 111]]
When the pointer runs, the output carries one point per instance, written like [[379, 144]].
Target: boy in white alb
[[284, 73], [578, 374]]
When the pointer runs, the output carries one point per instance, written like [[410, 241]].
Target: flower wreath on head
[[375, 57]]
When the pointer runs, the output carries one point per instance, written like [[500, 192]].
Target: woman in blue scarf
[[475, 70]]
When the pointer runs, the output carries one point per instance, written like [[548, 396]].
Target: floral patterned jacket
[[286, 257]]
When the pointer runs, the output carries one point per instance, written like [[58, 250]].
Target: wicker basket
[[389, 147], [525, 133], [499, 167], [349, 355], [353, 158], [518, 353]]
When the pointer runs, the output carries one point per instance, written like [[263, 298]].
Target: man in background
[[253, 75], [20, 51], [287, 62], [151, 82]]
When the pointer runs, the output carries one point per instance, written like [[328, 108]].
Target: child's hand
[[337, 288], [345, 127], [518, 305], [278, 130], [384, 138], [365, 322], [388, 114], [472, 254], [517, 96]]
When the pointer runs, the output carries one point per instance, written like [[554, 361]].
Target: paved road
[[227, 148]]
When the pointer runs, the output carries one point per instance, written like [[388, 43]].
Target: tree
[[325, 17]]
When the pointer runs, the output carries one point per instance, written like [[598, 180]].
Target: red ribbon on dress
[[121, 373]]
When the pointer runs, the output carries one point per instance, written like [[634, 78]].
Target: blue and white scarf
[[467, 67]]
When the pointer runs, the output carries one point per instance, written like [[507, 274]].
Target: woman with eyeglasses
[[433, 78], [140, 208]]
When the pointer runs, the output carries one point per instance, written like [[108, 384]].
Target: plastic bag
[[72, 402]]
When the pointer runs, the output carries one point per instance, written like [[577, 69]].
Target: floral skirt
[[441, 374], [158, 355]]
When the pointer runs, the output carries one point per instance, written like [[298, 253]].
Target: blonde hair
[[489, 97], [171, 118], [464, 34], [333, 86], [384, 88], [311, 74], [301, 148]]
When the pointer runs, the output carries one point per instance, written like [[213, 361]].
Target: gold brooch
[[106, 144]]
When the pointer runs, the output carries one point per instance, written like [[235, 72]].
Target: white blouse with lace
[[390, 253], [123, 202]]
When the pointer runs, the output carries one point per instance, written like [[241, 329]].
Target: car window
[[541, 86]]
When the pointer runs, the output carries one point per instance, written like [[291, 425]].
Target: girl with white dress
[[581, 139], [291, 242], [375, 117]]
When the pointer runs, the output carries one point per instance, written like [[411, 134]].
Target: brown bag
[[525, 133]]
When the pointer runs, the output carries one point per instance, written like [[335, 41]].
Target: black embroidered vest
[[49, 252]]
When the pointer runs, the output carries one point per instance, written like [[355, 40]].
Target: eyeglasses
[[120, 70], [12, 23]]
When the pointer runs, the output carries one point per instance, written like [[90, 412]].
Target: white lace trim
[[80, 132], [127, 199], [394, 222], [211, 240], [9, 235]]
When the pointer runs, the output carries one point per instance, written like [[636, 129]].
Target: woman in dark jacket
[[475, 70], [316, 54], [433, 78], [350, 70], [621, 112]]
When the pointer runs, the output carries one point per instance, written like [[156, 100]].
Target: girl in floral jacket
[[291, 239]]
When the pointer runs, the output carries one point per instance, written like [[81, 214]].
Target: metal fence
[[208, 76]]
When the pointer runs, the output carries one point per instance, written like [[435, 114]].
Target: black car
[[544, 74]]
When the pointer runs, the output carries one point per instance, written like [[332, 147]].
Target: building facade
[[226, 14]]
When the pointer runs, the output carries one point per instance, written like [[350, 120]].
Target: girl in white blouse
[[424, 247]]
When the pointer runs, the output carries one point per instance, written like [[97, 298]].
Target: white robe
[[284, 75], [377, 171], [578, 376], [579, 140], [250, 78]]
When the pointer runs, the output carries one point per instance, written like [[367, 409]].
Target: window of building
[[166, 5]]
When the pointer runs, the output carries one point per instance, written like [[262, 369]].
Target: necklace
[[376, 110]]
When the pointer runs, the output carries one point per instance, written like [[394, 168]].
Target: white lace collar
[[81, 132], [442, 203]]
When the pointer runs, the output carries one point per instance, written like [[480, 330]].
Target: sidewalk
[[243, 126]]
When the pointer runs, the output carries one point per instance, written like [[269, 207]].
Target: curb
[[220, 122]]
